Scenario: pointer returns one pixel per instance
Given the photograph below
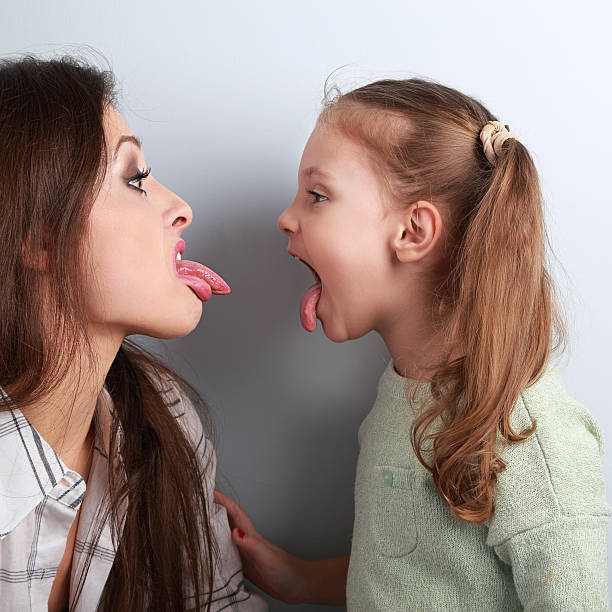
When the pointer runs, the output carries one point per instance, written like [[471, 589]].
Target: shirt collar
[[31, 470]]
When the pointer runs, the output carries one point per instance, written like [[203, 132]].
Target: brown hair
[[53, 159], [495, 301]]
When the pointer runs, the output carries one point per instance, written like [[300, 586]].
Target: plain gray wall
[[224, 95]]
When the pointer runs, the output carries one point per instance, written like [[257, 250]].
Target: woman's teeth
[[178, 257]]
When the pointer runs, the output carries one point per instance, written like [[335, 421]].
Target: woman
[[107, 474]]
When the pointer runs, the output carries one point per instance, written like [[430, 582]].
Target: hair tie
[[493, 135]]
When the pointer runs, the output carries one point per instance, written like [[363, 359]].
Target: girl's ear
[[418, 230]]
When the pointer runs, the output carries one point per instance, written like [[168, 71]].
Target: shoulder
[[556, 472], [561, 418]]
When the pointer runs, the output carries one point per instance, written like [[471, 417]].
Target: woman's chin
[[167, 319], [185, 330], [188, 321], [180, 323]]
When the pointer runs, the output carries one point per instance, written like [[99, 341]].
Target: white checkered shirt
[[39, 499]]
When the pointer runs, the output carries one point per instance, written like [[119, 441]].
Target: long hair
[[494, 300], [53, 160]]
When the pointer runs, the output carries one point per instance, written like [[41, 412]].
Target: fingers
[[223, 499], [240, 538], [247, 551], [237, 517]]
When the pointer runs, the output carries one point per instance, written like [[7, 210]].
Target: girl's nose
[[287, 222]]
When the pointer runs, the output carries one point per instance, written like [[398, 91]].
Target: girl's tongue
[[308, 307], [201, 279]]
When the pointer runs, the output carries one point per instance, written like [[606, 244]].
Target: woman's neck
[[63, 417]]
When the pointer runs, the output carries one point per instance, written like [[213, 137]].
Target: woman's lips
[[201, 279]]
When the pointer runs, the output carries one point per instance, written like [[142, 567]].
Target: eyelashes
[[138, 178], [317, 197]]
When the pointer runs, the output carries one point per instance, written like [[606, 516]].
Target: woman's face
[[135, 225]]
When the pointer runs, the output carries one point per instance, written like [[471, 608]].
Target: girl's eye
[[317, 197], [137, 180]]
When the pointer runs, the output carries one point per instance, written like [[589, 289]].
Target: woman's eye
[[137, 180], [317, 197]]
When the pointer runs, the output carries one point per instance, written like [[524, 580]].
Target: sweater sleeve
[[560, 565]]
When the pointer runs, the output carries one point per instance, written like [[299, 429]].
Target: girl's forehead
[[324, 146], [329, 153]]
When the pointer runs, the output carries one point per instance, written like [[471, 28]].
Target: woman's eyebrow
[[127, 138]]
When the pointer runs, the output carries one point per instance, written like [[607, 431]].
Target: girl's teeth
[[178, 257]]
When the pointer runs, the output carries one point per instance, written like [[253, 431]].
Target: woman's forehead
[[115, 126], [117, 132]]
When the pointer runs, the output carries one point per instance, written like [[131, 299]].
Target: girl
[[479, 481], [107, 473]]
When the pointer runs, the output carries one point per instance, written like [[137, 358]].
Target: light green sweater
[[544, 548]]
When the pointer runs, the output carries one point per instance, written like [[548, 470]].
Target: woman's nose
[[178, 213], [183, 215]]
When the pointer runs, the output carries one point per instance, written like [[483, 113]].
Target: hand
[[269, 567]]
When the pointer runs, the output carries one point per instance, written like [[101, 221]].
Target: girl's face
[[135, 284], [340, 227]]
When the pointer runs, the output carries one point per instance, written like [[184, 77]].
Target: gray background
[[224, 95]]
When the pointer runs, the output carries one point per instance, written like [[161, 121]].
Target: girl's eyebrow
[[127, 138], [315, 170]]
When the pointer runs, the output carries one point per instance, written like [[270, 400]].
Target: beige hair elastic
[[493, 135]]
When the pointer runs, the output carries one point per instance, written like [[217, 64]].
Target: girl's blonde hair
[[495, 303]]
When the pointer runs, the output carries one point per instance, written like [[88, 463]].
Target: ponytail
[[501, 324]]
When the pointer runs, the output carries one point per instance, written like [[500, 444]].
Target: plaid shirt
[[39, 499]]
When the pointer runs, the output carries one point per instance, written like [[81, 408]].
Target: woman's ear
[[417, 232]]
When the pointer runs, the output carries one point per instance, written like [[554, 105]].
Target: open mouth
[[310, 299], [202, 280], [312, 270]]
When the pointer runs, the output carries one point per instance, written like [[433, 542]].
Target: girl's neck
[[416, 347]]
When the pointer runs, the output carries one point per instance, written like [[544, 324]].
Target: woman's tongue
[[201, 279], [308, 307]]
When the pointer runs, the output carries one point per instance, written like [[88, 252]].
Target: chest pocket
[[394, 520]]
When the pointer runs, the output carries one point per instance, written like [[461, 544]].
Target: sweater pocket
[[394, 518]]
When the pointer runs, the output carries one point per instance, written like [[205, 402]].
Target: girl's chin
[[339, 330], [334, 332]]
